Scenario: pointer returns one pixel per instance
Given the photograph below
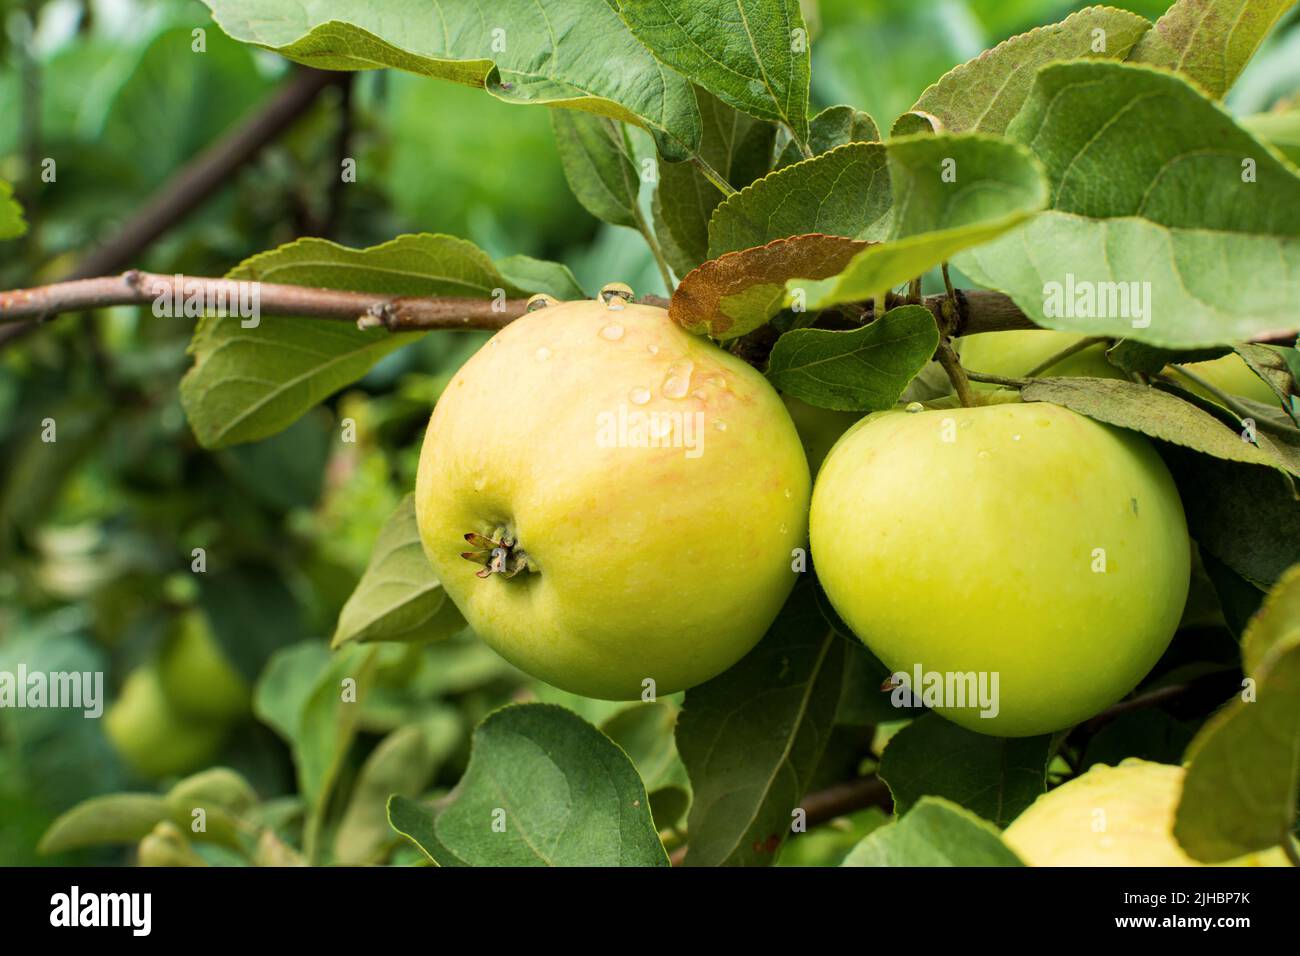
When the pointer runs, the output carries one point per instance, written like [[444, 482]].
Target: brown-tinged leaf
[[736, 293]]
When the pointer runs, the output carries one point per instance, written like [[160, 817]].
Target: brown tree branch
[[983, 312], [194, 183]]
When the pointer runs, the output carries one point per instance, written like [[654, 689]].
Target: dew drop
[[480, 483], [718, 381], [540, 301], [678, 382], [663, 427], [982, 454], [653, 349], [788, 493], [613, 332], [720, 425], [1015, 438], [965, 423], [543, 354], [639, 395], [914, 407], [784, 527]]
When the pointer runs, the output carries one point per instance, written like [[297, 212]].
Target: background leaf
[[833, 126], [248, 383], [865, 369], [758, 63], [935, 833], [598, 165], [398, 598], [570, 796], [751, 738], [993, 777], [987, 92], [556, 56], [1174, 217], [11, 214], [1210, 41]]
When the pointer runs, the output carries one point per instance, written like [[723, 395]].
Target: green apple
[[1021, 542], [1015, 354], [151, 736], [632, 495], [1229, 374], [819, 428], [1112, 816], [196, 675]]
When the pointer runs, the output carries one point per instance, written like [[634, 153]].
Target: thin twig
[[956, 374]]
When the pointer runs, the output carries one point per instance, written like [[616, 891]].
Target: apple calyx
[[500, 554]]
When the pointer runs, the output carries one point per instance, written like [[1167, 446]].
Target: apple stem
[[956, 374]]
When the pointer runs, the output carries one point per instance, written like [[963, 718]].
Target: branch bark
[[192, 185], [983, 311]]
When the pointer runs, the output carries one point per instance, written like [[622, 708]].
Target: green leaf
[[1273, 369], [545, 788], [1239, 795], [300, 695], [1151, 411], [645, 732], [751, 54], [398, 598], [736, 293], [751, 738], [248, 383], [994, 777], [401, 764], [997, 187], [833, 126], [1209, 41], [538, 275], [936, 832], [414, 821], [1247, 517], [987, 92], [124, 818], [865, 369], [598, 165], [1134, 356], [1148, 243], [522, 53], [841, 193], [12, 224], [214, 787], [739, 148], [115, 818]]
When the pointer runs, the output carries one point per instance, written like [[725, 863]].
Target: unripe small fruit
[[1112, 816], [631, 495], [150, 736], [1229, 374], [198, 678], [1017, 542]]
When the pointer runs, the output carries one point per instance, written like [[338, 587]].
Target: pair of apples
[[636, 501]]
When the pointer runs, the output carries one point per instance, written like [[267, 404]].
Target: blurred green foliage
[[98, 530]]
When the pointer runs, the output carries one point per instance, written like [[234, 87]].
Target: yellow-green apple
[[199, 679], [819, 428], [1112, 816], [610, 500], [1016, 353], [1232, 375], [1021, 546], [151, 736]]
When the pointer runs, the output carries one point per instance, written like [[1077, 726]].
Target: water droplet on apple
[[543, 354], [653, 349], [639, 395], [784, 527], [678, 382], [718, 381], [914, 407], [1015, 438], [613, 332], [540, 301], [720, 425], [663, 427], [480, 483], [983, 454], [788, 493], [615, 295]]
